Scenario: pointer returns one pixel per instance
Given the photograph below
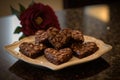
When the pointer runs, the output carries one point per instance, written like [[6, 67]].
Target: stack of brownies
[[58, 46]]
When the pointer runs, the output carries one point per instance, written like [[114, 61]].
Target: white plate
[[13, 49]]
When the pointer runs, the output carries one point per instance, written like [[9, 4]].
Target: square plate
[[13, 49]]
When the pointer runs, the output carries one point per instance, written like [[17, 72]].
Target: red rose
[[37, 16]]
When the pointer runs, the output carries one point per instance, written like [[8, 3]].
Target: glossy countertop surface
[[100, 21]]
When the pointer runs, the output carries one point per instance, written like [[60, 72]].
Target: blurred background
[[5, 5], [55, 4]]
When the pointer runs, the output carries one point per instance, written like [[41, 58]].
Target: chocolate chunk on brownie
[[31, 50], [58, 56], [77, 36], [41, 36], [62, 39], [85, 49]]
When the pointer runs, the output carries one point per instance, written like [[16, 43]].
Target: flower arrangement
[[37, 16]]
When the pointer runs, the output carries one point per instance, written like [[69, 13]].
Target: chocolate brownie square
[[58, 56], [67, 32], [52, 31], [41, 37], [77, 36], [61, 39], [85, 49], [31, 50]]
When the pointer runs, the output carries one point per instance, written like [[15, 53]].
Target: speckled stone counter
[[106, 67]]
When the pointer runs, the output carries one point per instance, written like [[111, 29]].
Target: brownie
[[52, 31], [67, 32], [85, 49], [61, 39], [41, 37], [58, 56], [77, 36], [31, 50]]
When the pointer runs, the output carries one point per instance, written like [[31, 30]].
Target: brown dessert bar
[[85, 49], [52, 31], [58, 57], [31, 50], [62, 39], [77, 36], [41, 36]]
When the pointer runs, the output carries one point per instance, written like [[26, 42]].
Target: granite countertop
[[106, 67]]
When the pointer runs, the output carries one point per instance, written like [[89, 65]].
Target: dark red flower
[[38, 16]]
